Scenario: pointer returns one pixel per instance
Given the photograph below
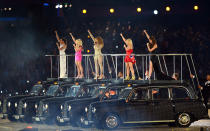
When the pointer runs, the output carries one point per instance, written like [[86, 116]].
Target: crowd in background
[[23, 48]]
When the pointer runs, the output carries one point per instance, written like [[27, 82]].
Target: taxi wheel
[[111, 121], [183, 119]]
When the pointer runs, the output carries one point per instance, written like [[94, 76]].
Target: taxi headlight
[[9, 104], [16, 104], [25, 105], [86, 109], [36, 106], [93, 109], [46, 106], [69, 107], [61, 107]]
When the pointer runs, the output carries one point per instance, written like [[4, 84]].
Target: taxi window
[[180, 93], [140, 94], [160, 93]]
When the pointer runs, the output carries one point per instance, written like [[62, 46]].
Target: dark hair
[[153, 41]]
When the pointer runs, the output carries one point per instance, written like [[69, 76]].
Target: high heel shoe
[[127, 78], [96, 77], [82, 76], [133, 78], [101, 77]]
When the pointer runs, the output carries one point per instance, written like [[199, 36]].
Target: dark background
[[27, 32]]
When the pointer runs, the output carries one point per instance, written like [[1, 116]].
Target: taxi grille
[[40, 108], [89, 113], [4, 110], [64, 110], [20, 107]]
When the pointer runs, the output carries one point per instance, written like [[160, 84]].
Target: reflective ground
[[5, 125]]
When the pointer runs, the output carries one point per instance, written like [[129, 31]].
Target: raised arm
[[72, 37], [151, 49], [123, 37], [57, 37], [148, 37], [92, 37]]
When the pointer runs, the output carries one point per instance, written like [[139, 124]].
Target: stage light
[[111, 10], [88, 36], [70, 5], [84, 11], [5, 9], [61, 6], [88, 51], [155, 12], [139, 9], [65, 5], [46, 4], [57, 6], [168, 8], [196, 7], [10, 9]]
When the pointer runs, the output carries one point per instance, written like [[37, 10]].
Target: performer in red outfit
[[129, 58]]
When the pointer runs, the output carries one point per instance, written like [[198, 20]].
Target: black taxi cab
[[49, 108], [148, 103], [75, 111], [26, 106], [9, 104]]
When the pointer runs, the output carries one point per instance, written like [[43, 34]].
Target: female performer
[[98, 58], [62, 47], [78, 55], [152, 48], [129, 59]]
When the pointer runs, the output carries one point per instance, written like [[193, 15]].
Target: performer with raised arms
[[98, 58], [129, 58], [78, 55], [62, 47], [152, 48]]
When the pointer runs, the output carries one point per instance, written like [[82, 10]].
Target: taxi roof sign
[[55, 83], [39, 82]]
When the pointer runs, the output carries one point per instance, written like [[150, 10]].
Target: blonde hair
[[79, 42], [129, 42], [100, 41]]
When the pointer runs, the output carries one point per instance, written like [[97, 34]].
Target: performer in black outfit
[[206, 90], [153, 64]]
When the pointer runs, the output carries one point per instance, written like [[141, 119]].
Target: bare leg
[[96, 66], [81, 69], [127, 71], [78, 70], [132, 70], [100, 62], [150, 69]]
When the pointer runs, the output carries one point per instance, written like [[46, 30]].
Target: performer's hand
[[124, 46], [192, 76], [147, 44], [70, 34], [121, 34], [57, 44], [55, 31], [88, 31], [145, 31]]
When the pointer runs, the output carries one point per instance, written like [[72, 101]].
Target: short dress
[[129, 57], [78, 55]]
